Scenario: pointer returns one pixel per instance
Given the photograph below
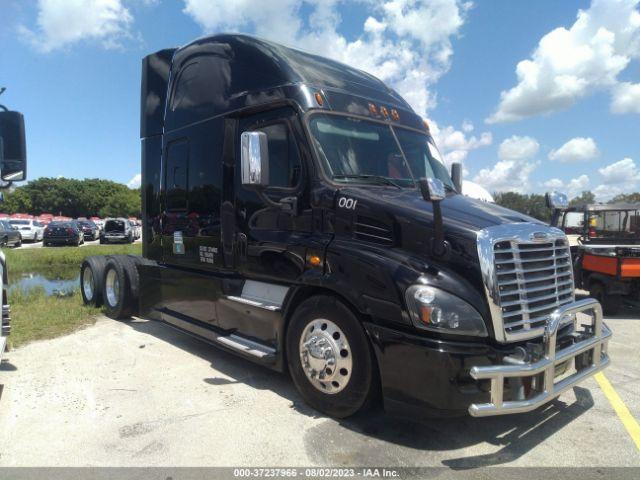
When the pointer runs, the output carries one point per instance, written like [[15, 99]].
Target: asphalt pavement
[[139, 393]]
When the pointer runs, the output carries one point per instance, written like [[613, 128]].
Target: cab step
[[246, 347]]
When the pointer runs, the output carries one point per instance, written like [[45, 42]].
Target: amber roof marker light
[[319, 99], [395, 115], [384, 111], [373, 109], [315, 260]]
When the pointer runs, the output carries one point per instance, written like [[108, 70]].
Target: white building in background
[[473, 190]]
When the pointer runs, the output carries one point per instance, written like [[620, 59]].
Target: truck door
[[269, 244], [267, 238]]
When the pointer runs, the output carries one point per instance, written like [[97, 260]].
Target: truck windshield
[[354, 150]]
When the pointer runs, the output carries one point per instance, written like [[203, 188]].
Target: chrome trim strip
[[269, 296], [597, 343]]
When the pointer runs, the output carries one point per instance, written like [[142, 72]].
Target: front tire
[[329, 357]]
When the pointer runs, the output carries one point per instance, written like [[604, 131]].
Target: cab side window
[[284, 158]]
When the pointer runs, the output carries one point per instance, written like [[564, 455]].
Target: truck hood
[[460, 213]]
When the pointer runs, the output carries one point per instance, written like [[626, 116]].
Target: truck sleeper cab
[[295, 212]]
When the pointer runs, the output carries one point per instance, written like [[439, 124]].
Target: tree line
[[535, 206], [73, 198]]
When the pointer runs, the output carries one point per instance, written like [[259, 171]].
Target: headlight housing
[[433, 309]]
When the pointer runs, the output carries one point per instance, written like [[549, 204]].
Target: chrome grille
[[528, 274], [533, 280]]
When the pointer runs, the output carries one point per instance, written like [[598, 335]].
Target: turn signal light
[[315, 260]]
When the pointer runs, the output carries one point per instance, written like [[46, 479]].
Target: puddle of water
[[53, 283]]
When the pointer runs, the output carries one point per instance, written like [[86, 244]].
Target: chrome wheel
[[112, 288], [326, 356], [87, 283]]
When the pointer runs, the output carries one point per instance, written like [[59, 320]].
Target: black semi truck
[[296, 211]]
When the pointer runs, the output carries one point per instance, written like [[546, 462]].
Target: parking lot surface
[[139, 393]]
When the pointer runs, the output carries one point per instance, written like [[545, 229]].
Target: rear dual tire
[[121, 286], [91, 280]]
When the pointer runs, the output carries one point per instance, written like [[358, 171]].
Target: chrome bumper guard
[[593, 338]]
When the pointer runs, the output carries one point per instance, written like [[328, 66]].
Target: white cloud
[[577, 185], [553, 184], [135, 181], [572, 188], [575, 150], [454, 144], [626, 98], [518, 148], [569, 64], [516, 164], [61, 23], [404, 42], [619, 177]]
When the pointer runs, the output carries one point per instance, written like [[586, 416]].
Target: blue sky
[[528, 95]]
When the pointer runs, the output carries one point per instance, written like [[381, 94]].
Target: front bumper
[[588, 353]]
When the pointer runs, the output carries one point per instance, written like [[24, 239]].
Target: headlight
[[434, 309]]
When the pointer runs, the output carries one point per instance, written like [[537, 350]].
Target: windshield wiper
[[378, 178]]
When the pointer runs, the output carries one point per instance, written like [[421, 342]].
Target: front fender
[[374, 280]]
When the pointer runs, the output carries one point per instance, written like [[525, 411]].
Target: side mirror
[[13, 154], [432, 189], [456, 176], [254, 152], [556, 200]]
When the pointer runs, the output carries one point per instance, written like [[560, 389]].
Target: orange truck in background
[[605, 246]]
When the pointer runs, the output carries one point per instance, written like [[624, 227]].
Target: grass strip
[[36, 316], [36, 259]]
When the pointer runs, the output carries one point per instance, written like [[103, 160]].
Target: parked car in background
[[9, 235], [31, 230], [137, 228], [117, 230], [89, 229], [99, 222], [63, 233]]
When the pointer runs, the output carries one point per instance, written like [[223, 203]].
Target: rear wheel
[[3, 242], [116, 290], [329, 357], [19, 242], [91, 280], [610, 303]]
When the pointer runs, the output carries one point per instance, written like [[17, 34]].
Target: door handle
[[242, 245]]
